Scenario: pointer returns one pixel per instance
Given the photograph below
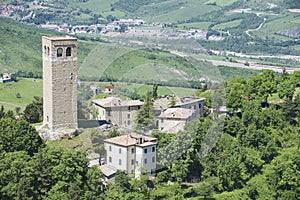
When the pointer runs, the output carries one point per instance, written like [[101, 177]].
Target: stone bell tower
[[60, 82]]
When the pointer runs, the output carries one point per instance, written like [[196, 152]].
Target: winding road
[[259, 27]]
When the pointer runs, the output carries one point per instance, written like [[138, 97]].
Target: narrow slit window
[[59, 52], [68, 51]]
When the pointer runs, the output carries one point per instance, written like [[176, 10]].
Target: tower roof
[[59, 38]]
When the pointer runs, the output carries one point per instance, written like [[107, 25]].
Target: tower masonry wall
[[60, 82]]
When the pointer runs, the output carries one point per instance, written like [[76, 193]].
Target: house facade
[[6, 77], [109, 89], [117, 111], [133, 153]]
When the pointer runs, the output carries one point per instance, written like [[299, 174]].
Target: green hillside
[[21, 47]]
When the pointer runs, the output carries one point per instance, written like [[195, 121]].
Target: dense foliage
[[31, 170], [256, 156]]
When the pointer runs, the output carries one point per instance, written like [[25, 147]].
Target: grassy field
[[164, 91], [221, 3], [198, 25], [227, 25], [97, 6], [27, 88], [173, 11], [277, 23], [142, 89], [117, 62], [96, 62]]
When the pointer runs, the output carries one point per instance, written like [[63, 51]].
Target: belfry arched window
[[59, 52], [68, 51]]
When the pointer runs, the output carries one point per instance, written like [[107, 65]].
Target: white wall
[[116, 153], [140, 158]]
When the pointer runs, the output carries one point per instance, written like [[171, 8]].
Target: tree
[[144, 118], [235, 94], [18, 136], [17, 176], [262, 85], [283, 174], [172, 102], [61, 172], [154, 91], [95, 180], [2, 113], [33, 112], [286, 89], [295, 78]]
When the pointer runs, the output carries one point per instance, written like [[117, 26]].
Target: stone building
[[172, 120], [59, 82], [117, 111]]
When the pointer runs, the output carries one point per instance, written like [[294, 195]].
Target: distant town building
[[96, 89], [117, 111], [6, 77], [109, 89], [133, 153]]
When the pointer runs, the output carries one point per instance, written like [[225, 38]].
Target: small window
[[153, 159], [145, 161], [132, 150], [48, 51], [132, 162], [153, 149], [45, 50], [194, 107], [128, 116], [145, 150], [128, 122], [109, 148], [120, 151], [120, 162], [59, 52], [68, 51], [200, 105], [110, 159]]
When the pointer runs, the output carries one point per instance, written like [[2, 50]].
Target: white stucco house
[[133, 153]]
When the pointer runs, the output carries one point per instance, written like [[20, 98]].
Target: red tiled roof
[[132, 139], [110, 87]]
